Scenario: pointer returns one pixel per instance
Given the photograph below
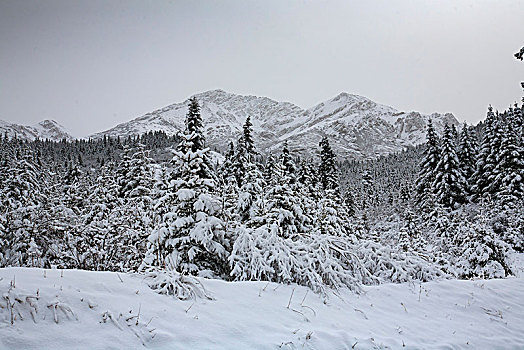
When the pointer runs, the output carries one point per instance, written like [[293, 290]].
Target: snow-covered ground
[[102, 310]]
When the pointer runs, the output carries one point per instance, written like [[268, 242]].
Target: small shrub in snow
[[387, 264], [173, 283], [467, 246], [314, 260], [479, 253]]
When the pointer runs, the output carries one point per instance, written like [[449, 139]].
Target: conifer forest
[[232, 221], [451, 207]]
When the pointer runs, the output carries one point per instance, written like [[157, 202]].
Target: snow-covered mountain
[[46, 129], [357, 127]]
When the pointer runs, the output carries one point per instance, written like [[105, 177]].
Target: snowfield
[[66, 309]]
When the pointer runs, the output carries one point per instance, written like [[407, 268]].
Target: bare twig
[[190, 306], [298, 312], [310, 308], [362, 312], [291, 297], [404, 306]]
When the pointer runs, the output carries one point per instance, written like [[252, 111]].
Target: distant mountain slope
[[356, 126], [46, 129]]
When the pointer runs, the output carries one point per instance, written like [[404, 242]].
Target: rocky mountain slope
[[46, 129], [357, 127]]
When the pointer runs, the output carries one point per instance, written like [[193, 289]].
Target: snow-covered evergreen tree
[[508, 178], [449, 184], [428, 166], [284, 206], [228, 188], [467, 154], [328, 175], [484, 165], [190, 239], [250, 204], [21, 200], [135, 184], [100, 247], [332, 216], [247, 138], [478, 252]]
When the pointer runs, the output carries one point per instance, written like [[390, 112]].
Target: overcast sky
[[93, 64]]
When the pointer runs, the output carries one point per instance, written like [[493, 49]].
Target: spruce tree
[[190, 239], [284, 208], [135, 185], [100, 246], [467, 154], [509, 171], [428, 166], [449, 184], [484, 165], [194, 127], [332, 216], [287, 164], [250, 205], [454, 134], [269, 172], [247, 138], [22, 198], [328, 175]]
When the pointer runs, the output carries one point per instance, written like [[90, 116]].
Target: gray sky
[[93, 64]]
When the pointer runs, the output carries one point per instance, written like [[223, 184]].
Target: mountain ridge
[[46, 129], [357, 126]]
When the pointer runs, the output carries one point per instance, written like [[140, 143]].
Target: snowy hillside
[[46, 129], [357, 126], [57, 309]]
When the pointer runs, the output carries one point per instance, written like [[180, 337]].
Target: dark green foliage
[[428, 167], [449, 185]]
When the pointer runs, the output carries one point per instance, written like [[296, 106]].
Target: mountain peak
[[50, 123], [344, 94], [212, 93]]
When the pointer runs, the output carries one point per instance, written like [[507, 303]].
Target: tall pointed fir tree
[[484, 165], [135, 184], [101, 246], [308, 179], [21, 199], [284, 212], [509, 170], [467, 154], [428, 167], [247, 137], [331, 216], [190, 239], [327, 170], [450, 183], [72, 202], [269, 172], [454, 134], [250, 204]]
